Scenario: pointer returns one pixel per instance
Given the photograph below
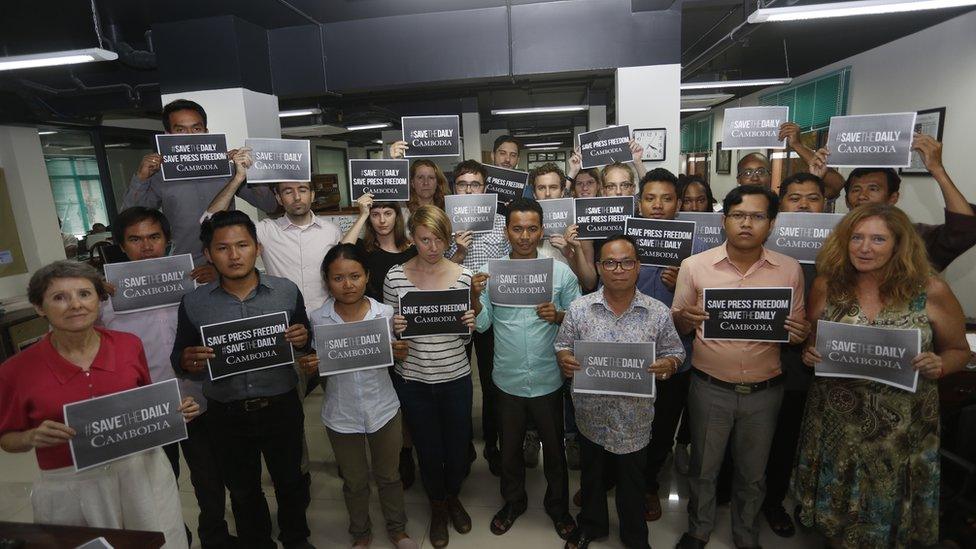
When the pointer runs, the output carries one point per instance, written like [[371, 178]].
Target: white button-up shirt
[[362, 401], [296, 253]]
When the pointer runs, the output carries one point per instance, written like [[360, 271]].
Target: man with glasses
[[613, 429], [753, 169], [737, 386]]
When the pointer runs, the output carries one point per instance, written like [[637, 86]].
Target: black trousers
[[593, 518], [546, 412], [274, 432], [783, 451], [672, 394], [484, 345], [206, 477]]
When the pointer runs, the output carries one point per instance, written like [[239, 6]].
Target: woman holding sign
[[384, 242], [77, 361], [867, 470], [434, 381]]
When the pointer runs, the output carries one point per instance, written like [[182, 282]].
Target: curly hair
[[439, 192]]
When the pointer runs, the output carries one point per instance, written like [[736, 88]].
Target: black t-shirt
[[380, 262]]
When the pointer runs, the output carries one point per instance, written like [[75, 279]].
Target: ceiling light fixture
[[542, 134], [376, 126], [545, 148], [695, 109], [378, 141], [542, 110], [735, 83], [55, 58], [549, 144], [299, 112], [48, 132], [848, 9]]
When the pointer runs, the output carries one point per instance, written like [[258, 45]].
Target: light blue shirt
[[525, 361], [362, 401]]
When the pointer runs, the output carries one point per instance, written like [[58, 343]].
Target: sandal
[[779, 522], [565, 527], [505, 518]]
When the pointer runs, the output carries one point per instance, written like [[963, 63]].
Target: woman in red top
[[77, 361]]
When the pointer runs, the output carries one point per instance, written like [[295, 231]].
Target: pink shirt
[[736, 361]]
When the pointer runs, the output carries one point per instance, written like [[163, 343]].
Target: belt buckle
[[255, 404], [743, 389]]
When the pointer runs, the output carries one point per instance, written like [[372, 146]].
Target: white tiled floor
[[327, 513]]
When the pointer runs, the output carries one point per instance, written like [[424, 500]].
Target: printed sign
[[754, 128], [709, 229], [800, 235], [661, 242], [428, 136], [150, 283], [435, 312], [603, 216], [388, 180], [557, 215], [520, 282], [507, 184], [871, 140], [122, 424], [353, 346], [247, 345], [614, 368], [193, 156], [277, 160], [868, 352], [471, 212], [606, 146], [747, 314]]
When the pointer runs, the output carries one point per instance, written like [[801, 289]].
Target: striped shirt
[[432, 359]]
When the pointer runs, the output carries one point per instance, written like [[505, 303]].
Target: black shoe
[[407, 466], [230, 543], [687, 541], [779, 521], [579, 541], [505, 517], [494, 459], [300, 545]]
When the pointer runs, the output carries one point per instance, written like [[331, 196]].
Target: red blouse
[[36, 383]]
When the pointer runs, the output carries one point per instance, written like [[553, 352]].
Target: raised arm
[[833, 180], [931, 152], [221, 202], [365, 202]]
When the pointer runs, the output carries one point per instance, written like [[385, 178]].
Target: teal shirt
[[525, 361]]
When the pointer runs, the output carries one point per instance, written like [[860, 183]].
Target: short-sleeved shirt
[[944, 243], [36, 383], [736, 361]]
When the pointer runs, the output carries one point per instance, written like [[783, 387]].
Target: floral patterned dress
[[867, 467]]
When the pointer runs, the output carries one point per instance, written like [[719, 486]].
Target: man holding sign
[[257, 413], [613, 428], [737, 387]]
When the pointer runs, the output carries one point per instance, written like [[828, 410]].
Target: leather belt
[[741, 388]]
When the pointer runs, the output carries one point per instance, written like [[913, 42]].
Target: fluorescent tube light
[[540, 110], [735, 83], [378, 141], [54, 58], [542, 134], [299, 112], [848, 9], [49, 132], [545, 148], [368, 126], [695, 109], [550, 144]]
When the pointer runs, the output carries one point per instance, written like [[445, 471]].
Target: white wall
[[935, 67], [650, 97]]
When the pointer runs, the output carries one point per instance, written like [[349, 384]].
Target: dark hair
[[470, 166], [41, 280], [615, 238], [137, 214], [658, 174], [734, 198], [229, 218], [545, 169], [800, 177], [182, 105], [343, 251], [502, 139], [522, 205], [892, 179], [371, 243], [695, 180]]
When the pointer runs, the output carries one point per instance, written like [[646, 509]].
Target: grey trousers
[[717, 414]]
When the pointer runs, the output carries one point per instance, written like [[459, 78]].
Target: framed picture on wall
[[723, 160], [929, 122]]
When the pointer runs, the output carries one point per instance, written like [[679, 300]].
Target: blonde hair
[[902, 278], [439, 191], [434, 220], [616, 166]]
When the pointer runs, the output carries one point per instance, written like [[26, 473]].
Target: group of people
[[752, 424]]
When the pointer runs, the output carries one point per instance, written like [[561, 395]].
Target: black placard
[[868, 352], [388, 180], [606, 146], [747, 314], [125, 423], [709, 229], [520, 282], [661, 242], [277, 160], [435, 312], [150, 283], [471, 212], [871, 140], [507, 184], [603, 216], [753, 127], [353, 346], [247, 345], [612, 368], [429, 136], [800, 235], [557, 215], [193, 156]]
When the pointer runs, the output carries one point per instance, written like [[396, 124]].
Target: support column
[[470, 129], [633, 89], [597, 117]]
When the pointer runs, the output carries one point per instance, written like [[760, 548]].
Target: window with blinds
[[696, 134], [77, 191], [813, 102]]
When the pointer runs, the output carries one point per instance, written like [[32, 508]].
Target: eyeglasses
[[739, 217], [464, 185], [759, 172], [612, 264]]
